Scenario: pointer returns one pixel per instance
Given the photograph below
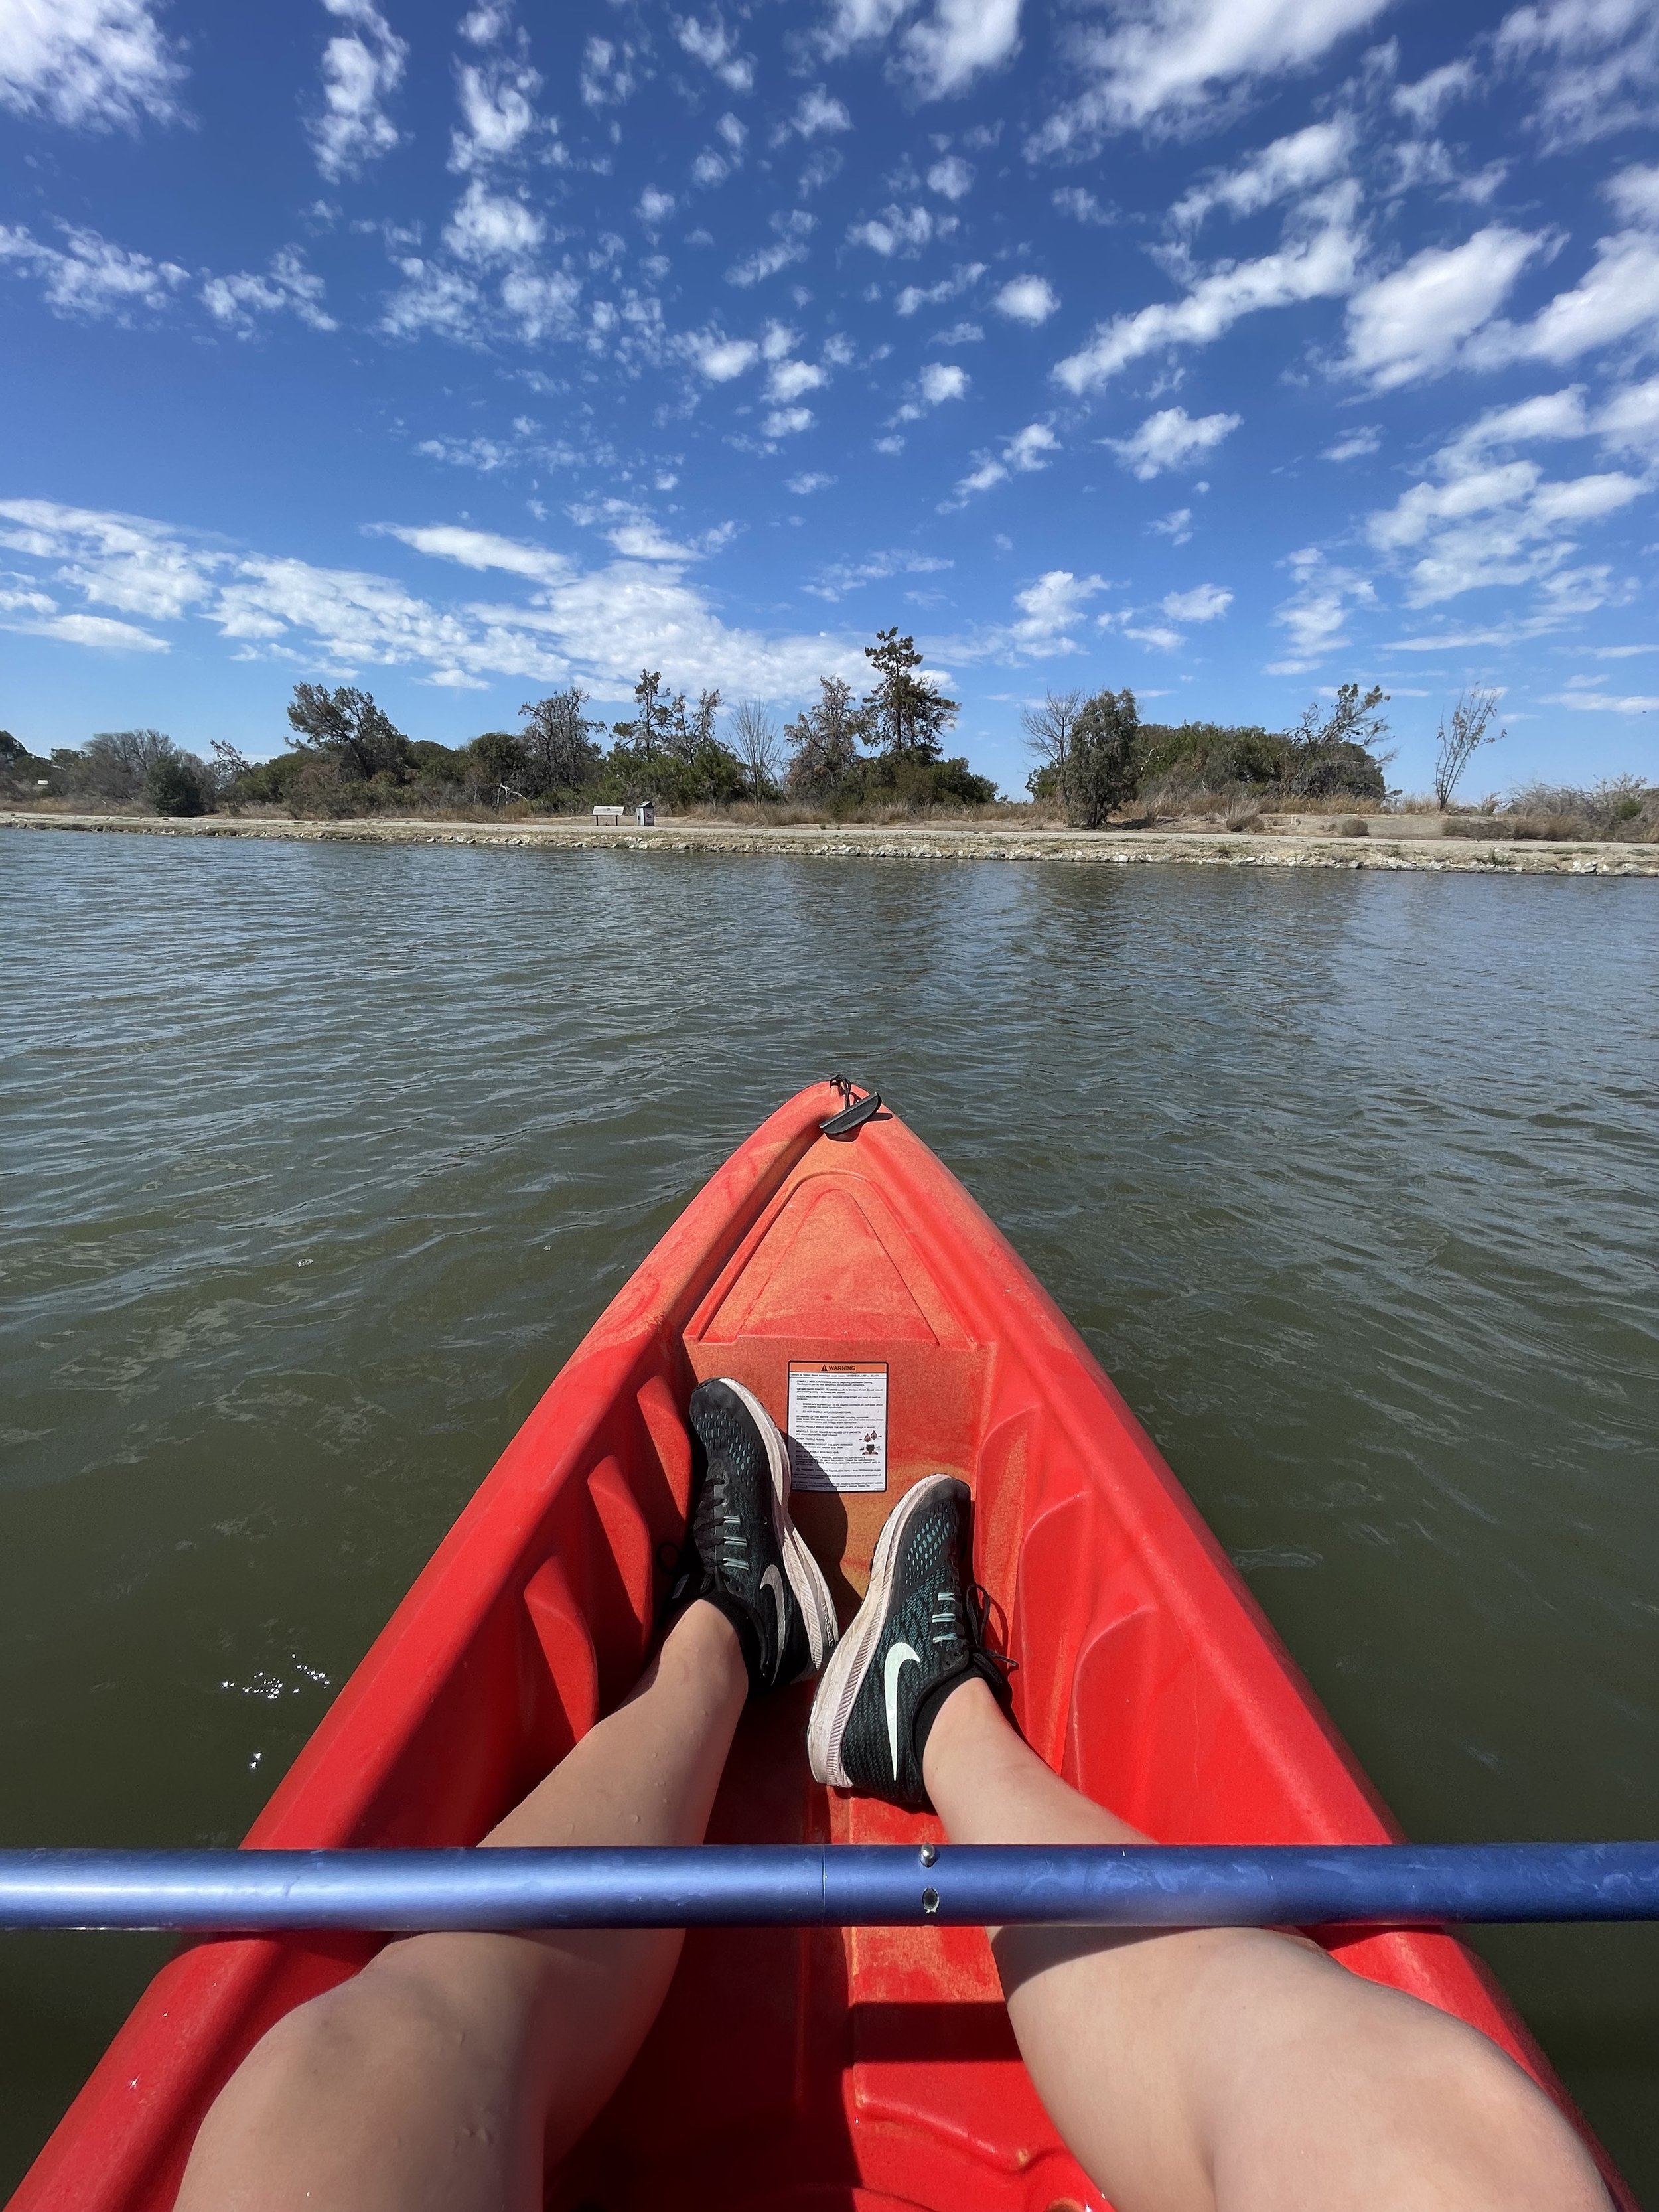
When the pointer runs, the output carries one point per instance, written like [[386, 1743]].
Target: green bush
[[180, 784], [1101, 770]]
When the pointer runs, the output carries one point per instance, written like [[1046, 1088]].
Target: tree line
[[344, 754], [1095, 756]]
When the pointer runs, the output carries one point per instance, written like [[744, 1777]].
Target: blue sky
[[1224, 348]]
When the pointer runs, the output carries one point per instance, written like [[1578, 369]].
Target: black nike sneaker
[[917, 1635], [749, 1560]]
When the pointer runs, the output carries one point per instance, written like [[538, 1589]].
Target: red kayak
[[852, 1285]]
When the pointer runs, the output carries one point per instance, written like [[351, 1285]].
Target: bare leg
[[1235, 2070], [440, 2078]]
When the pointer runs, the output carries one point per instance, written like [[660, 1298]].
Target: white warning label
[[838, 1424]]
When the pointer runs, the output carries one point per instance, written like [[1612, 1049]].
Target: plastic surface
[[833, 1885], [823, 2069]]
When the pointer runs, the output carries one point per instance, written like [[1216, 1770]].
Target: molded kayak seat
[[878, 2069]]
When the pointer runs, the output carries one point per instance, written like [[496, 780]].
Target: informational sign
[[838, 1424]]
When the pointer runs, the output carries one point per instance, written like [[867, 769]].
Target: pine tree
[[902, 715]]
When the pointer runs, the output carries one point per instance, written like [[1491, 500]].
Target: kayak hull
[[793, 2069]]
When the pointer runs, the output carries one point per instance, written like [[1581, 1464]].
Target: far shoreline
[[1389, 850]]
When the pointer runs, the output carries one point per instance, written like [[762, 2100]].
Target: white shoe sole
[[802, 1571], [843, 1677]]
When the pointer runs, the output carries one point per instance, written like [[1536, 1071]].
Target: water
[[317, 1160]]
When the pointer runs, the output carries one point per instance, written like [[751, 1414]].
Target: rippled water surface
[[317, 1160]]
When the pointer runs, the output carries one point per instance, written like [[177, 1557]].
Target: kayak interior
[[793, 2068]]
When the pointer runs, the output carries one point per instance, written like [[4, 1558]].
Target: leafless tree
[[1049, 728], [1470, 728], [754, 741]]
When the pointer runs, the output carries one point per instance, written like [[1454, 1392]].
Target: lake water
[[319, 1159]]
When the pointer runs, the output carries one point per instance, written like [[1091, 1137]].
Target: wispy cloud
[[287, 286], [1164, 61], [1169, 438], [715, 47], [1318, 266], [363, 67], [87, 65], [88, 276], [1288, 167], [598, 625]]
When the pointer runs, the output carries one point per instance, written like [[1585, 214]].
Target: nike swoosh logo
[[773, 1580], [896, 1655]]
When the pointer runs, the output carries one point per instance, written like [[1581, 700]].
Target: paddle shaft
[[1395, 1885]]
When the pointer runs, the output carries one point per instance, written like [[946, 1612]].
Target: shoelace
[[978, 1610]]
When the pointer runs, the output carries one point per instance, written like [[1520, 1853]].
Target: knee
[[302, 2096]]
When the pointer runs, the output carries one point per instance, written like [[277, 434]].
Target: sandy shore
[[1302, 848]]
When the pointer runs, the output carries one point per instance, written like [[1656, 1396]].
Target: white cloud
[[1424, 102], [488, 226], [1155, 634], [943, 380], [900, 230], [721, 359], [655, 206], [1081, 206], [434, 299], [1030, 448], [1603, 703], [791, 378], [86, 64], [361, 69], [962, 279], [1629, 422], [834, 582], [1415, 322], [818, 112], [1177, 526], [101, 632], [599, 625], [1204, 602], [1354, 445], [541, 305], [1025, 453], [1606, 55], [787, 422], [1048, 609], [953, 179], [792, 225], [607, 73], [1635, 193], [1167, 59], [939, 381], [1485, 516], [1029, 300], [497, 100], [89, 276], [712, 45], [1170, 438], [957, 42], [1619, 298], [940, 55], [806, 484], [1288, 167], [1316, 613], [1312, 268], [236, 302]]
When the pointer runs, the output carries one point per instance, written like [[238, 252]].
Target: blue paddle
[[786, 1885]]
